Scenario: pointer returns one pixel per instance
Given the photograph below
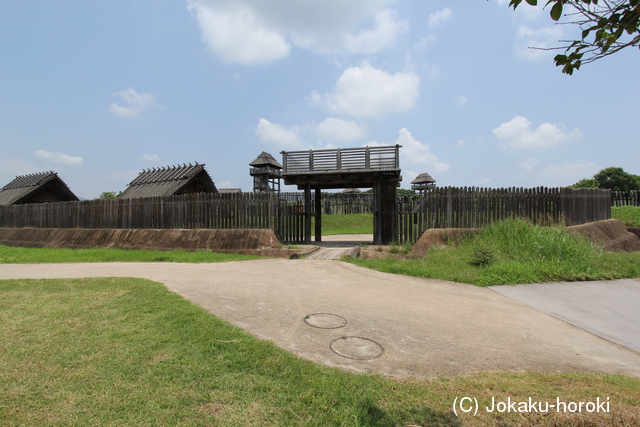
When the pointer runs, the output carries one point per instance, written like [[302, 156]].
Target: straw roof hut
[[170, 181], [41, 187]]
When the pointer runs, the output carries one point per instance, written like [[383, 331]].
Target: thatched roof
[[170, 181], [265, 159], [423, 178], [36, 188]]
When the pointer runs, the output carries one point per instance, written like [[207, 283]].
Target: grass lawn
[[15, 255], [346, 224], [630, 215], [127, 352]]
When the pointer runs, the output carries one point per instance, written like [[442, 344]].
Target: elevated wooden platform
[[341, 167], [366, 167]]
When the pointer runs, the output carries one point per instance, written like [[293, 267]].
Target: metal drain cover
[[325, 321], [357, 348]]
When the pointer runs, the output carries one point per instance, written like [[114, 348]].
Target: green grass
[[15, 255], [127, 352], [513, 252], [346, 224], [630, 215]]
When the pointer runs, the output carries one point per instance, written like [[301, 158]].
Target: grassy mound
[[516, 251]]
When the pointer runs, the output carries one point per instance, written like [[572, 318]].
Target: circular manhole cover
[[325, 321], [357, 348]]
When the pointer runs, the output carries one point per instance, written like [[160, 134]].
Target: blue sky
[[98, 91]]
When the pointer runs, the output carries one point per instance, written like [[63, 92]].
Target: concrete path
[[342, 315], [609, 309]]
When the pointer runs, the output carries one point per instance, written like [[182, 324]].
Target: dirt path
[[342, 315]]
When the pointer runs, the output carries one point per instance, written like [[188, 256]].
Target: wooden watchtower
[[266, 173], [423, 182], [367, 167]]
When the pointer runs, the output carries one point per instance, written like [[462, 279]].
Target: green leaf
[[556, 11], [533, 2]]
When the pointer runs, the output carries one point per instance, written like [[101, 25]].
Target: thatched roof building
[[41, 187], [423, 182], [170, 181]]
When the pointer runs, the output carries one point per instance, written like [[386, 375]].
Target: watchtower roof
[[423, 178], [265, 159]]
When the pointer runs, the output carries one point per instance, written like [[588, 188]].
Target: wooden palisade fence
[[217, 211], [626, 198], [472, 207], [439, 208]]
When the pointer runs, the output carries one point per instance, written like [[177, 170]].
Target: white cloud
[[122, 177], [530, 44], [236, 34], [518, 133], [461, 100], [134, 102], [440, 17], [150, 157], [340, 130], [570, 172], [460, 143], [10, 168], [384, 34], [415, 153], [273, 133], [529, 164], [61, 158], [259, 32], [367, 92]]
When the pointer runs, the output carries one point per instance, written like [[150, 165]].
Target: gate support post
[[384, 212], [307, 213], [318, 215]]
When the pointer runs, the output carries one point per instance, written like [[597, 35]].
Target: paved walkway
[[342, 315], [609, 309]]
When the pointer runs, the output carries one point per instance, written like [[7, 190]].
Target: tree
[[109, 195], [585, 183], [608, 26], [612, 178], [616, 179]]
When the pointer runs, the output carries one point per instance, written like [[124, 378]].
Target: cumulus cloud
[[368, 92], [531, 44], [416, 154], [10, 168], [440, 17], [122, 177], [150, 157], [461, 100], [258, 32], [529, 164], [278, 135], [340, 130], [236, 34], [518, 133], [383, 35], [570, 172], [61, 158], [134, 103]]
